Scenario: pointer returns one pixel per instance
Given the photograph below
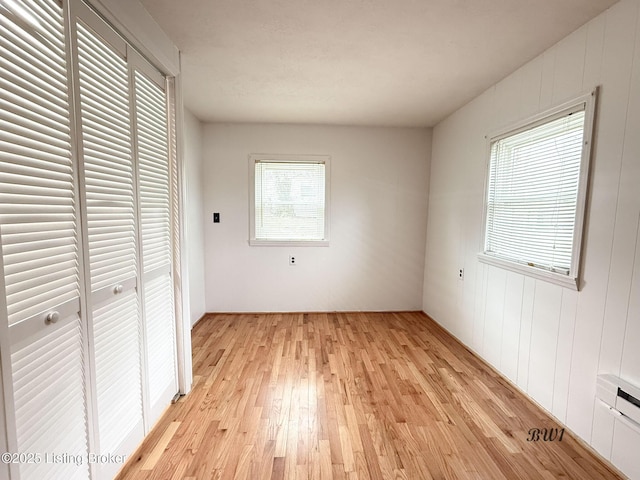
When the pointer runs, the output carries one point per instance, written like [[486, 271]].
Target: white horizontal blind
[[37, 203], [155, 218], [289, 200], [532, 196]]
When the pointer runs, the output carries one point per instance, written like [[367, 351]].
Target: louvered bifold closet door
[[40, 262], [155, 222], [110, 199]]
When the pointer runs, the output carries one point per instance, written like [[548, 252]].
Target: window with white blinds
[[536, 191], [289, 199]]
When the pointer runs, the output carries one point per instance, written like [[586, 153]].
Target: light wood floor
[[349, 396]]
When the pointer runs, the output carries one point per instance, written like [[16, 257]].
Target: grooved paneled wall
[[551, 341]]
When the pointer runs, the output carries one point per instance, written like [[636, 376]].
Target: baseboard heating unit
[[620, 396], [616, 434]]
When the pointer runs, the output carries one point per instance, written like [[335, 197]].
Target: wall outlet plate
[[292, 260]]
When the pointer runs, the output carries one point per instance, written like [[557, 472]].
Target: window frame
[[294, 159], [571, 280]]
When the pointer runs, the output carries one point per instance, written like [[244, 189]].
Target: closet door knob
[[52, 317], [117, 289]]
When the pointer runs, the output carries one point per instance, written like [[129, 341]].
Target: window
[[289, 199], [536, 192]]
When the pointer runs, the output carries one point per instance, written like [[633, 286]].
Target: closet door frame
[[181, 275]]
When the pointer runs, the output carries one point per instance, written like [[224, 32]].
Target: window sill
[[288, 243], [538, 273]]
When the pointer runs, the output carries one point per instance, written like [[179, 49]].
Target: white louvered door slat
[[38, 232], [158, 298], [154, 189], [57, 377], [118, 337], [111, 231]]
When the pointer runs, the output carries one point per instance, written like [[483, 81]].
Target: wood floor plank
[[349, 396], [161, 446]]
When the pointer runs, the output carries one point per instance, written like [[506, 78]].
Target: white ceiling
[[355, 62]]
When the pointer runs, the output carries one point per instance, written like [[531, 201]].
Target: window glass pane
[[532, 196], [289, 201]]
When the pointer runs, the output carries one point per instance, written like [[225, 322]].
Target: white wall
[[379, 189], [550, 341], [194, 217]]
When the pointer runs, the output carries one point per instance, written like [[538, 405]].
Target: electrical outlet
[[292, 260], [461, 274]]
